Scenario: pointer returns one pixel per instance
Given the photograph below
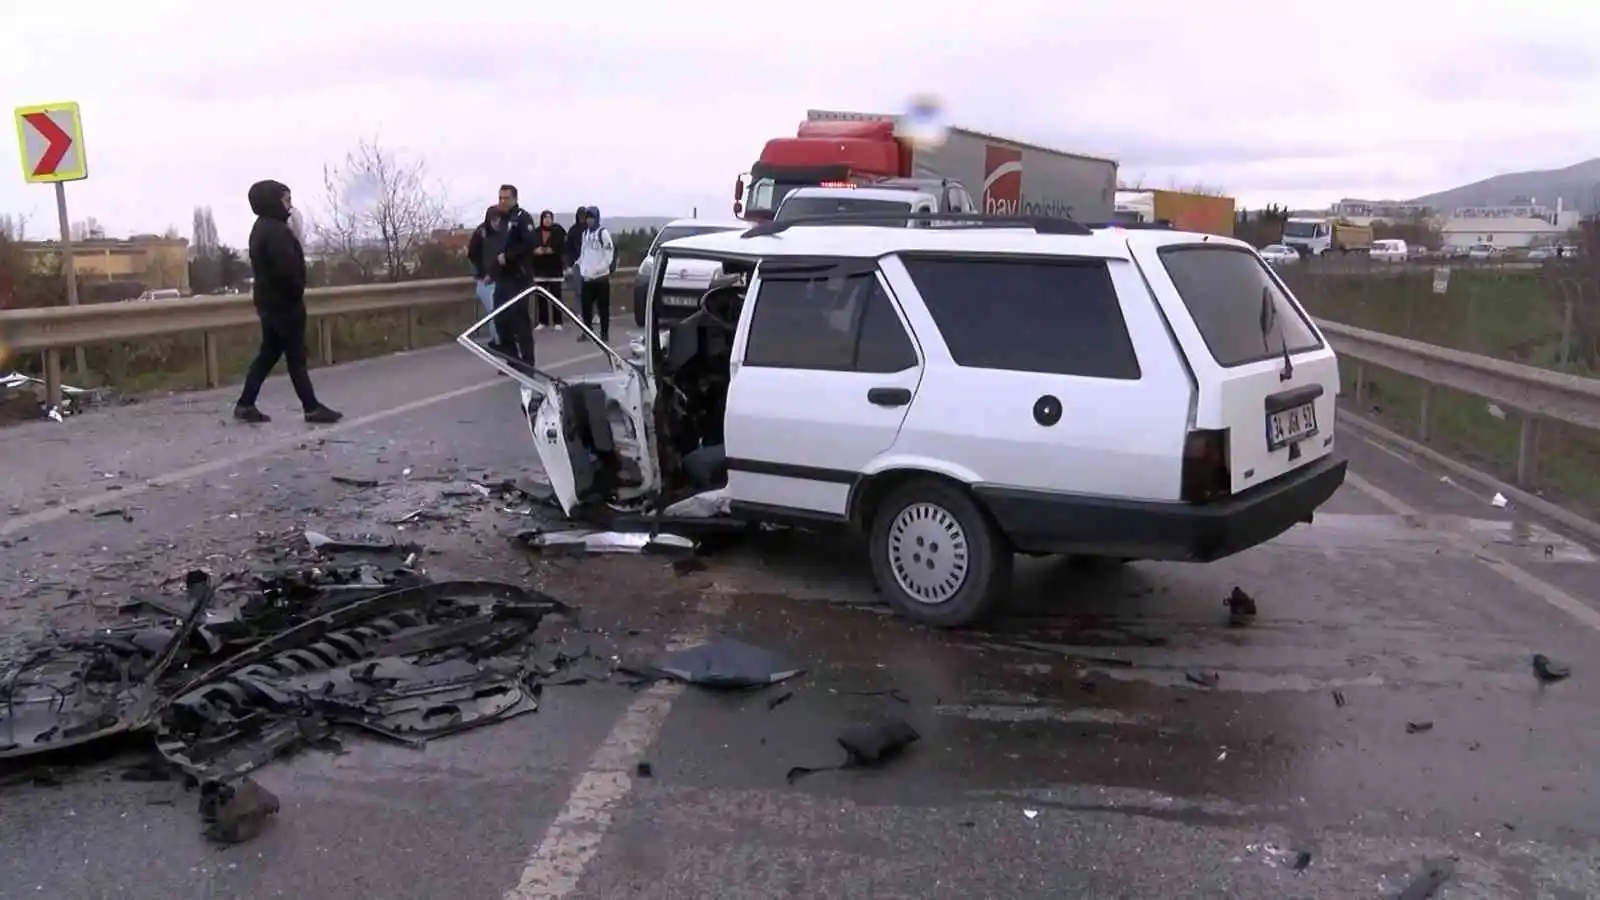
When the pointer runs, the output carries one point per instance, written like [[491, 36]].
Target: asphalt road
[[1065, 751]]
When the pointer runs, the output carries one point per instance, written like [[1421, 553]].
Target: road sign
[[51, 139], [1441, 280]]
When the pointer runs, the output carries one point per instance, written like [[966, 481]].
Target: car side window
[[1050, 316], [832, 320]]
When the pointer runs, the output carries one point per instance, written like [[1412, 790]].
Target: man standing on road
[[278, 263], [596, 262], [549, 249], [574, 250], [486, 242], [516, 275]]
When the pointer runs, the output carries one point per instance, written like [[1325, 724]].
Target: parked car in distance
[[1280, 254], [682, 286], [1390, 250], [1481, 251]]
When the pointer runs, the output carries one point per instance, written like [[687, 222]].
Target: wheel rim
[[928, 553]]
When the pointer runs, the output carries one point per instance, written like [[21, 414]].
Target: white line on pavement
[[83, 504], [572, 841], [1522, 578]]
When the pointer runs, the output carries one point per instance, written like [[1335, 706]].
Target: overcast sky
[[649, 108]]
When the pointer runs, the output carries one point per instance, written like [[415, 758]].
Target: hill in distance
[[1578, 186]]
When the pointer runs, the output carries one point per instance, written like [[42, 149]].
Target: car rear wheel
[[937, 557]]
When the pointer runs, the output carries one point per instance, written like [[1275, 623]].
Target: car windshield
[[673, 232], [821, 206], [1299, 229], [766, 195], [1275, 248], [1241, 312]]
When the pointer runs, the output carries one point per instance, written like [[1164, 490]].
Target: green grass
[[1515, 316]]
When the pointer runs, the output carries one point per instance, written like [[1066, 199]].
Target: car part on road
[[870, 744], [722, 663], [1428, 883], [1241, 607], [583, 541], [265, 663], [1548, 670]]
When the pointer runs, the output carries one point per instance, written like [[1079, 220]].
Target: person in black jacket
[[278, 263], [515, 276], [549, 249], [484, 245], [574, 247]]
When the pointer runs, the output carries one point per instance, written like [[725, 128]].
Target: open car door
[[591, 432]]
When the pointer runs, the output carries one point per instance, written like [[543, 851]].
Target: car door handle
[[889, 396]]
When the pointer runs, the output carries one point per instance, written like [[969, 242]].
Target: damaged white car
[[961, 394]]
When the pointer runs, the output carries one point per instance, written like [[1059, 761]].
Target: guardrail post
[[208, 342], [411, 328], [1425, 414], [1361, 384], [52, 377], [325, 340], [1528, 451]]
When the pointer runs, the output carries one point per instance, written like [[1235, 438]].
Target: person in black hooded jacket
[[550, 248], [278, 264]]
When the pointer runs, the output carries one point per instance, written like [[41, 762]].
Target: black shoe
[[251, 415], [323, 416]]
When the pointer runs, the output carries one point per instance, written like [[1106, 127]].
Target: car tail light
[[1205, 466]]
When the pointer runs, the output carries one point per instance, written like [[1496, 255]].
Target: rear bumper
[[1041, 522]]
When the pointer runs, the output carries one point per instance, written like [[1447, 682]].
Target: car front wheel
[[936, 556]]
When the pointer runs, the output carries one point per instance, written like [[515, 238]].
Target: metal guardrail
[[52, 329], [1530, 393]]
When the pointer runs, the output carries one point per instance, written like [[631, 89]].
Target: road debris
[[866, 745], [1202, 677], [1241, 607], [20, 390], [1339, 699], [1549, 670], [722, 663], [352, 481], [1418, 727], [582, 542], [1498, 501], [246, 667], [1427, 884]]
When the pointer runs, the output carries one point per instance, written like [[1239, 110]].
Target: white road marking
[[1540, 588], [93, 501], [572, 841]]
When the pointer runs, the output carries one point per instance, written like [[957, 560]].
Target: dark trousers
[[283, 334], [513, 323], [596, 298], [548, 313]]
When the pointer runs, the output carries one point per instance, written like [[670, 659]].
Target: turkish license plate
[[1292, 425], [680, 300]]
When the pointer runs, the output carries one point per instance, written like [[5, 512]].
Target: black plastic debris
[[866, 745], [1302, 860], [355, 482], [1418, 727], [1202, 677], [1339, 699], [1427, 884], [1548, 670], [1241, 607], [235, 813], [323, 543], [722, 663]]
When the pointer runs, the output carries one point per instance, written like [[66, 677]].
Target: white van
[[1390, 250]]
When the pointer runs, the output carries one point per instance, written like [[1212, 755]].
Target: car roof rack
[[1136, 226], [1039, 224]]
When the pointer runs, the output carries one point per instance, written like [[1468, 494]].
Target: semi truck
[[1314, 237], [998, 176], [1181, 209]]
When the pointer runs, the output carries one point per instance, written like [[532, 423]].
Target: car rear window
[[825, 206], [1241, 312], [1057, 317]]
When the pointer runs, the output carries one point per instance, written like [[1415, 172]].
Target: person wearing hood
[[597, 260], [515, 261], [549, 249], [278, 264], [485, 244], [574, 250]]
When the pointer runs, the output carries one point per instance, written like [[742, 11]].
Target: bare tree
[[381, 207], [88, 229], [13, 227], [1204, 190], [203, 241]]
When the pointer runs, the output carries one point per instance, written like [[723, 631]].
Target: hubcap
[[928, 553]]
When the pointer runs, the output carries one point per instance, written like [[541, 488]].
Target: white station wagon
[[961, 394]]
